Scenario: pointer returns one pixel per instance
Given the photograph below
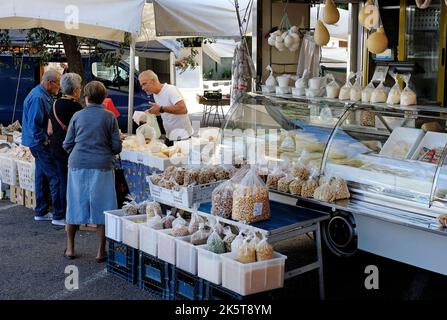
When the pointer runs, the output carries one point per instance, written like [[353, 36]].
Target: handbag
[[121, 187], [50, 124]]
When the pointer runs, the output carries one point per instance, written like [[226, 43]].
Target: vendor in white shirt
[[170, 105]]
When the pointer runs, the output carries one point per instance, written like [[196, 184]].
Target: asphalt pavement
[[32, 267]]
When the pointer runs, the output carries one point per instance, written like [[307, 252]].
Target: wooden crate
[[30, 199], [17, 195]]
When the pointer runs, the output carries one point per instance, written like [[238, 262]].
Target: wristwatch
[[161, 109]]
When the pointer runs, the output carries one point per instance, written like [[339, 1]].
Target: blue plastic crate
[[122, 260], [154, 275], [216, 292], [187, 286]]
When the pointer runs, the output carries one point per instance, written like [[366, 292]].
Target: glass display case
[[389, 154]]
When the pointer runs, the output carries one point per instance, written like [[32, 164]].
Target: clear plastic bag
[[309, 186], [379, 95], [264, 251], [340, 188], [273, 178], [145, 132], [130, 207], [325, 192], [356, 90], [228, 239], [333, 88], [167, 220], [251, 199], [200, 236], [169, 172], [196, 220], [180, 231], [179, 222], [296, 185], [395, 92], [237, 242], [271, 81], [367, 92], [155, 222], [345, 91], [284, 183], [246, 252], [408, 97], [326, 115], [153, 209], [215, 243], [179, 176], [214, 223], [303, 81], [288, 144], [222, 200], [191, 176]]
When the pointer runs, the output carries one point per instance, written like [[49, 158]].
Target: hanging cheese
[[423, 4], [330, 13], [362, 13], [378, 41], [321, 35]]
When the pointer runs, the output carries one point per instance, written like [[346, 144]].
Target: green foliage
[[208, 75], [226, 74], [188, 61]]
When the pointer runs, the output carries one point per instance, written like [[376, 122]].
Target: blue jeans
[[46, 169], [61, 159]]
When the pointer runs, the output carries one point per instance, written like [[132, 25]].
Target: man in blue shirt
[[36, 108]]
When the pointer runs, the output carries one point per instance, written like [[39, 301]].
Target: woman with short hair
[[60, 115], [92, 140]]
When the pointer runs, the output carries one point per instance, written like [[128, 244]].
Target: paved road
[[32, 267]]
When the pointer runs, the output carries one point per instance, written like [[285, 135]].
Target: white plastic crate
[[8, 170], [114, 226], [131, 229], [186, 197], [148, 239], [249, 278], [400, 135], [186, 255], [166, 246], [26, 174], [209, 265], [430, 140]]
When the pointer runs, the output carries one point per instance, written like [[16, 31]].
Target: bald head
[[51, 81], [149, 82]]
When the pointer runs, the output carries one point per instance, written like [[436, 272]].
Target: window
[[113, 77]]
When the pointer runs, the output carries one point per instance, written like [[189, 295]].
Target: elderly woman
[[60, 116], [92, 140]]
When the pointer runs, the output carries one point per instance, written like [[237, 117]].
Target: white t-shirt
[[177, 126]]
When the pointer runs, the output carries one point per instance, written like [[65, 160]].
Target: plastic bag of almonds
[[222, 200], [196, 220], [264, 251], [167, 220], [179, 176], [295, 186], [309, 186], [200, 236], [251, 199], [191, 176], [284, 183], [169, 172], [246, 252], [300, 171], [273, 178], [228, 239]]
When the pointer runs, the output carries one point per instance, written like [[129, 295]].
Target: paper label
[[380, 73], [257, 209]]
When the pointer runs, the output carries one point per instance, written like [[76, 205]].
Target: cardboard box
[[17, 195], [7, 138]]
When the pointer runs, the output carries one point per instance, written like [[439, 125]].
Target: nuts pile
[[251, 204], [222, 200]]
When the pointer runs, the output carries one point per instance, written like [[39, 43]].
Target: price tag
[[257, 209], [380, 73]]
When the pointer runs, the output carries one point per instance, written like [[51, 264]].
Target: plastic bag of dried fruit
[[246, 252], [200, 236], [155, 222], [251, 199], [215, 243], [264, 251], [167, 220], [222, 200], [273, 178], [153, 209], [196, 220], [179, 222], [214, 224], [237, 242], [309, 186], [228, 238]]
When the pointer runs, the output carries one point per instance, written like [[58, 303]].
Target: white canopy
[[219, 49]]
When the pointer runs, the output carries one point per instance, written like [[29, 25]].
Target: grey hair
[[70, 82], [149, 74], [50, 75]]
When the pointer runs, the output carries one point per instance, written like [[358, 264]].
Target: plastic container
[[26, 174], [316, 83], [298, 92], [148, 239], [250, 278], [411, 137], [430, 140], [187, 286], [122, 261], [114, 226], [166, 246], [209, 265], [153, 275], [186, 255], [8, 170], [283, 81], [131, 229], [283, 90]]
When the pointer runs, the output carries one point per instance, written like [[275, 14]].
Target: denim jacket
[[36, 108]]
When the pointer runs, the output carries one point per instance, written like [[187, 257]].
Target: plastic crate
[[122, 260], [186, 197], [250, 278], [166, 246], [131, 229], [209, 265], [148, 239], [187, 286], [114, 226], [154, 275], [186, 255], [26, 174], [8, 170], [217, 292]]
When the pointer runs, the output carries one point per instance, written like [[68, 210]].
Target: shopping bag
[[121, 187]]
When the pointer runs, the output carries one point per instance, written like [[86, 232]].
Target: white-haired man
[[170, 104], [36, 109]]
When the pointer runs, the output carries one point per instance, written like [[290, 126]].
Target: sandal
[[101, 260], [67, 256]]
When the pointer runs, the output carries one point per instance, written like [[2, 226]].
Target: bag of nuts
[[251, 199], [273, 178], [309, 186], [284, 183], [222, 200], [264, 251]]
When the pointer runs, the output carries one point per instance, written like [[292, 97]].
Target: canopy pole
[[131, 85]]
